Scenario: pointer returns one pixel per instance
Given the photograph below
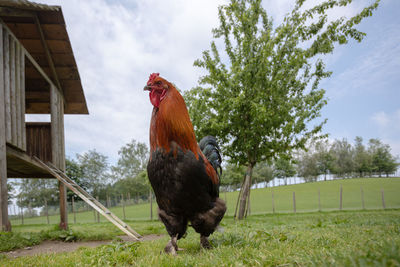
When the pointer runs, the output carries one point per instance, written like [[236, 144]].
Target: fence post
[[383, 199], [319, 200], [341, 194], [73, 209], [22, 215], [123, 206], [273, 202], [47, 211], [294, 202], [362, 198], [151, 205]]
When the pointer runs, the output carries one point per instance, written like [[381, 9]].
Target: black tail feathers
[[211, 150]]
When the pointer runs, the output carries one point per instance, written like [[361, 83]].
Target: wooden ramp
[[74, 187]]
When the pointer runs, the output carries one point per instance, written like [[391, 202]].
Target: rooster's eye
[[158, 83]]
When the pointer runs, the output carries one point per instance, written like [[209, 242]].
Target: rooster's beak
[[147, 88]]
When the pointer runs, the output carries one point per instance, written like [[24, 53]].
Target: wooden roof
[[42, 31]]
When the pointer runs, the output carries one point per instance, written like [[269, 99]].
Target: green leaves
[[261, 94]]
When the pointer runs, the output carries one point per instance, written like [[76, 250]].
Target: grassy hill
[[261, 200]]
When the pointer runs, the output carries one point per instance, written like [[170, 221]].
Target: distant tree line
[[128, 176], [339, 159], [345, 160]]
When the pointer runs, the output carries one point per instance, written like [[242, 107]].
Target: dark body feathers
[[184, 191]]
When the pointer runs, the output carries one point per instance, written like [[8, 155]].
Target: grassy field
[[261, 199], [345, 238]]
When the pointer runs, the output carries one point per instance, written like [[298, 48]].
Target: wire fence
[[313, 197]]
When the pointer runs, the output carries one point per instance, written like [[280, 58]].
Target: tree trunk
[[245, 192]]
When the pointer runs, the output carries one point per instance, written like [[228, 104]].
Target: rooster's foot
[[204, 242], [172, 247]]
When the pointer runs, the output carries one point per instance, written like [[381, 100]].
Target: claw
[[172, 247], [204, 242]]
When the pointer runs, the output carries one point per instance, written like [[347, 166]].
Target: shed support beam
[[4, 222], [57, 142], [48, 55]]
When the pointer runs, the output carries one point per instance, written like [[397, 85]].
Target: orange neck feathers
[[171, 123]]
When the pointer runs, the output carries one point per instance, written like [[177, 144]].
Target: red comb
[[152, 77]]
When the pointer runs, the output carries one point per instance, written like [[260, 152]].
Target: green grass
[[261, 200], [346, 238]]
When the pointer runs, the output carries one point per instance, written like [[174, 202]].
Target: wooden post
[[151, 205], [5, 51], [123, 206], [18, 94], [319, 200], [362, 198], [13, 93], [57, 143], [273, 203], [4, 223], [22, 215], [73, 209], [341, 195], [22, 98], [46, 211], [383, 199], [98, 214], [294, 202]]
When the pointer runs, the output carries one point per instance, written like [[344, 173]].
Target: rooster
[[184, 175]]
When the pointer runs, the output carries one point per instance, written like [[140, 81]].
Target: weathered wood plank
[[63, 189], [30, 58], [22, 84], [4, 224], [54, 110], [18, 95], [47, 53], [62, 136], [57, 129], [7, 90], [13, 94]]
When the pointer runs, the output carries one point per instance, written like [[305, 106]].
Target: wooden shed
[[38, 75]]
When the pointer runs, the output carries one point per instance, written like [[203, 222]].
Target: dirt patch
[[48, 247]]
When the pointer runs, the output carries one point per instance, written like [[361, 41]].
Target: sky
[[117, 44]]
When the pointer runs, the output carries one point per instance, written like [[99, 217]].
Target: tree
[[94, 168], [263, 172], [283, 168], [324, 159], [34, 192], [260, 98], [135, 186], [362, 159], [232, 176], [382, 159], [74, 171], [307, 167], [132, 160], [343, 154]]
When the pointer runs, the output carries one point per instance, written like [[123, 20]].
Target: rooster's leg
[[204, 242], [172, 246], [205, 223]]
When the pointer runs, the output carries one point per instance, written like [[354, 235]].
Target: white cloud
[[116, 48], [381, 119], [117, 44], [389, 128]]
